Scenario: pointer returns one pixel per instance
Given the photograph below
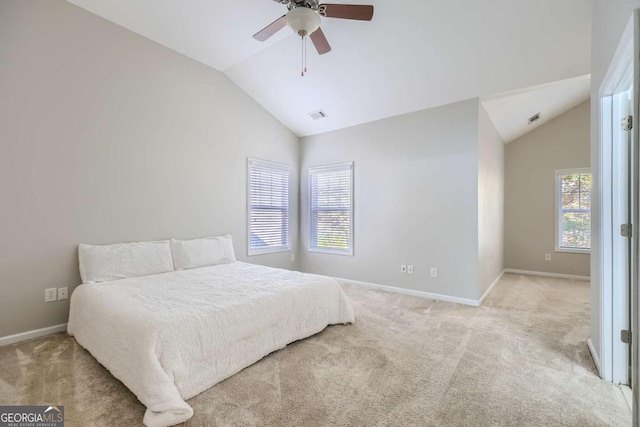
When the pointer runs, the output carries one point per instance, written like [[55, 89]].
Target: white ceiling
[[414, 54], [510, 111]]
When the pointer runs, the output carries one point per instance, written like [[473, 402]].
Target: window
[[268, 206], [331, 199], [573, 218]]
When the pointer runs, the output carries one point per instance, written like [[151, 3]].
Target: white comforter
[[169, 337]]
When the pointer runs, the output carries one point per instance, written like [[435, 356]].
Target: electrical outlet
[[547, 257], [293, 257], [50, 294], [410, 269], [403, 269], [63, 293], [434, 272]]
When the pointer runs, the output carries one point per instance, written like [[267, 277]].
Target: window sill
[[255, 252], [574, 251], [332, 251]]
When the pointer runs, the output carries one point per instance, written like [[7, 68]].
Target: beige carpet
[[519, 360]]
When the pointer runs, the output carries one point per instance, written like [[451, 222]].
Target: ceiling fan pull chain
[[302, 56]]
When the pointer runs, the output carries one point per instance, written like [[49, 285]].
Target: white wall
[[416, 200], [109, 137], [491, 197], [610, 20], [530, 197]]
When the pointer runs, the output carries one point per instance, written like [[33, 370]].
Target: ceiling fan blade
[[361, 12], [270, 29], [320, 41]]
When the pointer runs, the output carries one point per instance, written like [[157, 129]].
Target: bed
[[171, 336]]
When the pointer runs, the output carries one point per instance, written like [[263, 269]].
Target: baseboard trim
[[594, 355], [36, 333], [422, 294], [545, 274], [490, 288]]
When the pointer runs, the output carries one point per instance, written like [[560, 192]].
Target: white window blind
[[268, 206], [573, 220], [331, 200]]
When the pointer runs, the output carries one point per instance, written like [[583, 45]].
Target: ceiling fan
[[304, 18]]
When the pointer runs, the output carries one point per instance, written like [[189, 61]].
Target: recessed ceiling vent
[[534, 118], [317, 115]]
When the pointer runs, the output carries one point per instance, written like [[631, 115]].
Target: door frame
[[613, 354]]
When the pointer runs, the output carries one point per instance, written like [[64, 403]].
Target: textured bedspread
[[169, 337]]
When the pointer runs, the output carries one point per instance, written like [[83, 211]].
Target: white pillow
[[202, 252], [123, 260]]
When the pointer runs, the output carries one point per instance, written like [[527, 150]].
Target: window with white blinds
[[331, 210], [573, 216], [268, 207]]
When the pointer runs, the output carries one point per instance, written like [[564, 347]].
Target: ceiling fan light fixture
[[304, 18], [303, 21]]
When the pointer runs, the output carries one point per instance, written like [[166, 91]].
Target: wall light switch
[[50, 294], [547, 257], [403, 269], [63, 293], [410, 269]]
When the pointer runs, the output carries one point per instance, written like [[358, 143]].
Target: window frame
[[558, 208], [330, 168], [280, 167]]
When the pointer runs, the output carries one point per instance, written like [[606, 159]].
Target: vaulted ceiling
[[510, 112], [414, 54]]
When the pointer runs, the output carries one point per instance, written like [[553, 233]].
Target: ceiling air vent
[[317, 115], [534, 118]]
